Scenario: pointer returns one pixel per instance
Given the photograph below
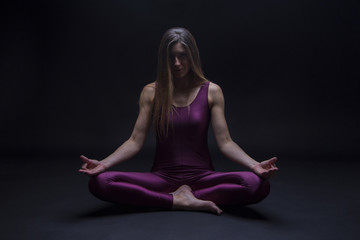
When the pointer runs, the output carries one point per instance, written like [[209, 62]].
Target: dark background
[[72, 71], [70, 77]]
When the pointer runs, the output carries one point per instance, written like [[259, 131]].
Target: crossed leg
[[150, 190], [132, 188], [146, 190], [231, 188]]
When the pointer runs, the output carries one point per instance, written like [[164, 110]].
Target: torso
[[186, 148]]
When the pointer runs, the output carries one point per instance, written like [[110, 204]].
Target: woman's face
[[179, 61]]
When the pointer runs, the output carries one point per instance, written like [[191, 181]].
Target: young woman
[[180, 103]]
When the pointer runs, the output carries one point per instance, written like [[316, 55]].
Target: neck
[[183, 84]]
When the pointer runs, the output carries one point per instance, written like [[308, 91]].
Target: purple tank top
[[186, 145]]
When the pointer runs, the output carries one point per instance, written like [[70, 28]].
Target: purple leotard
[[182, 158]]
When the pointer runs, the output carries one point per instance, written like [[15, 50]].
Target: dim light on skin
[[179, 61], [185, 83]]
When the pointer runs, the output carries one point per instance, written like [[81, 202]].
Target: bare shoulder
[[214, 88], [149, 88], [148, 93], [150, 85], [215, 94]]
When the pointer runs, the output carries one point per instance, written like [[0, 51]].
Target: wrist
[[103, 164], [253, 164]]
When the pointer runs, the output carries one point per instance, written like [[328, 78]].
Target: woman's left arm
[[226, 145]]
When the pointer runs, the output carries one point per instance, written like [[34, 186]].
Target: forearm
[[232, 151], [126, 151]]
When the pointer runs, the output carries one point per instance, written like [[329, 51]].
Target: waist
[[180, 161], [179, 175], [182, 168]]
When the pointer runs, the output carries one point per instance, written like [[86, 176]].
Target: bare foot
[[185, 200]]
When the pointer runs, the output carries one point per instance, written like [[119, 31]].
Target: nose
[[176, 61]]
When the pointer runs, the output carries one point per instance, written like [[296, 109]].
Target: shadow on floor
[[246, 212], [114, 210]]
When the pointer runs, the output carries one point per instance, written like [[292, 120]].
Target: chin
[[180, 77]]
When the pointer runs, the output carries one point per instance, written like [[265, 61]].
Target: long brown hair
[[164, 90]]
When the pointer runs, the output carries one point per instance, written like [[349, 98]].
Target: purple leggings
[[153, 189]]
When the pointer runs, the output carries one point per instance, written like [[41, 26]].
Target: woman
[[180, 103]]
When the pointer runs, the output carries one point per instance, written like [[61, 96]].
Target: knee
[[98, 185], [252, 188], [260, 188]]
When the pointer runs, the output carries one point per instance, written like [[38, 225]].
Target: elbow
[[136, 143], [138, 147], [224, 143]]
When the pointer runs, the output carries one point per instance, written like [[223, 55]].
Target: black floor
[[312, 198]]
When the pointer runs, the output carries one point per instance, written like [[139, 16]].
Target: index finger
[[84, 159], [272, 161]]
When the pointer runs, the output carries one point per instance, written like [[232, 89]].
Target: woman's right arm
[[133, 145]]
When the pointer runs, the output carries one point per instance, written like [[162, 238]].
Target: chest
[[184, 99]]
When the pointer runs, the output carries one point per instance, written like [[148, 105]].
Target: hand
[[266, 169], [91, 167]]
